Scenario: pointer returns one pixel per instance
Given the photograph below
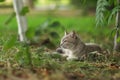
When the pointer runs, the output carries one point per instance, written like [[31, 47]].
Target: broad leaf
[[118, 39], [54, 34], [10, 43], [24, 11], [55, 24], [30, 33]]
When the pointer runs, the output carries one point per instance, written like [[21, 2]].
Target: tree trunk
[[21, 20], [117, 35]]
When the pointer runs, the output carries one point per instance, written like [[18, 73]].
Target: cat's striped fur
[[73, 47]]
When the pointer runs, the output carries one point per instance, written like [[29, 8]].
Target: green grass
[[83, 25], [21, 61]]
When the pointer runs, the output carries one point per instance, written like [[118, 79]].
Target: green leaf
[[100, 12], [54, 34], [55, 24], [113, 32], [9, 19], [28, 56], [30, 33], [118, 39], [10, 43], [24, 11], [2, 0], [114, 11]]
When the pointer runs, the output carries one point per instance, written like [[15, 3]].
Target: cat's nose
[[59, 50]]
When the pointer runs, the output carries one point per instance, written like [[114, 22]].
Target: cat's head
[[68, 44], [69, 40]]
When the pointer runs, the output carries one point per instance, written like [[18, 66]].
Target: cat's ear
[[66, 32], [74, 34]]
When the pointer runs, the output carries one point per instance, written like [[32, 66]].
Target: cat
[[72, 47]]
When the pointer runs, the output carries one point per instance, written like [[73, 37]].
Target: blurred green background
[[61, 15]]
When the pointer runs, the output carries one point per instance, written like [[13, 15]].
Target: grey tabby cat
[[72, 47]]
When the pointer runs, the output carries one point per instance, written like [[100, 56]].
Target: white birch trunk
[[21, 20]]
